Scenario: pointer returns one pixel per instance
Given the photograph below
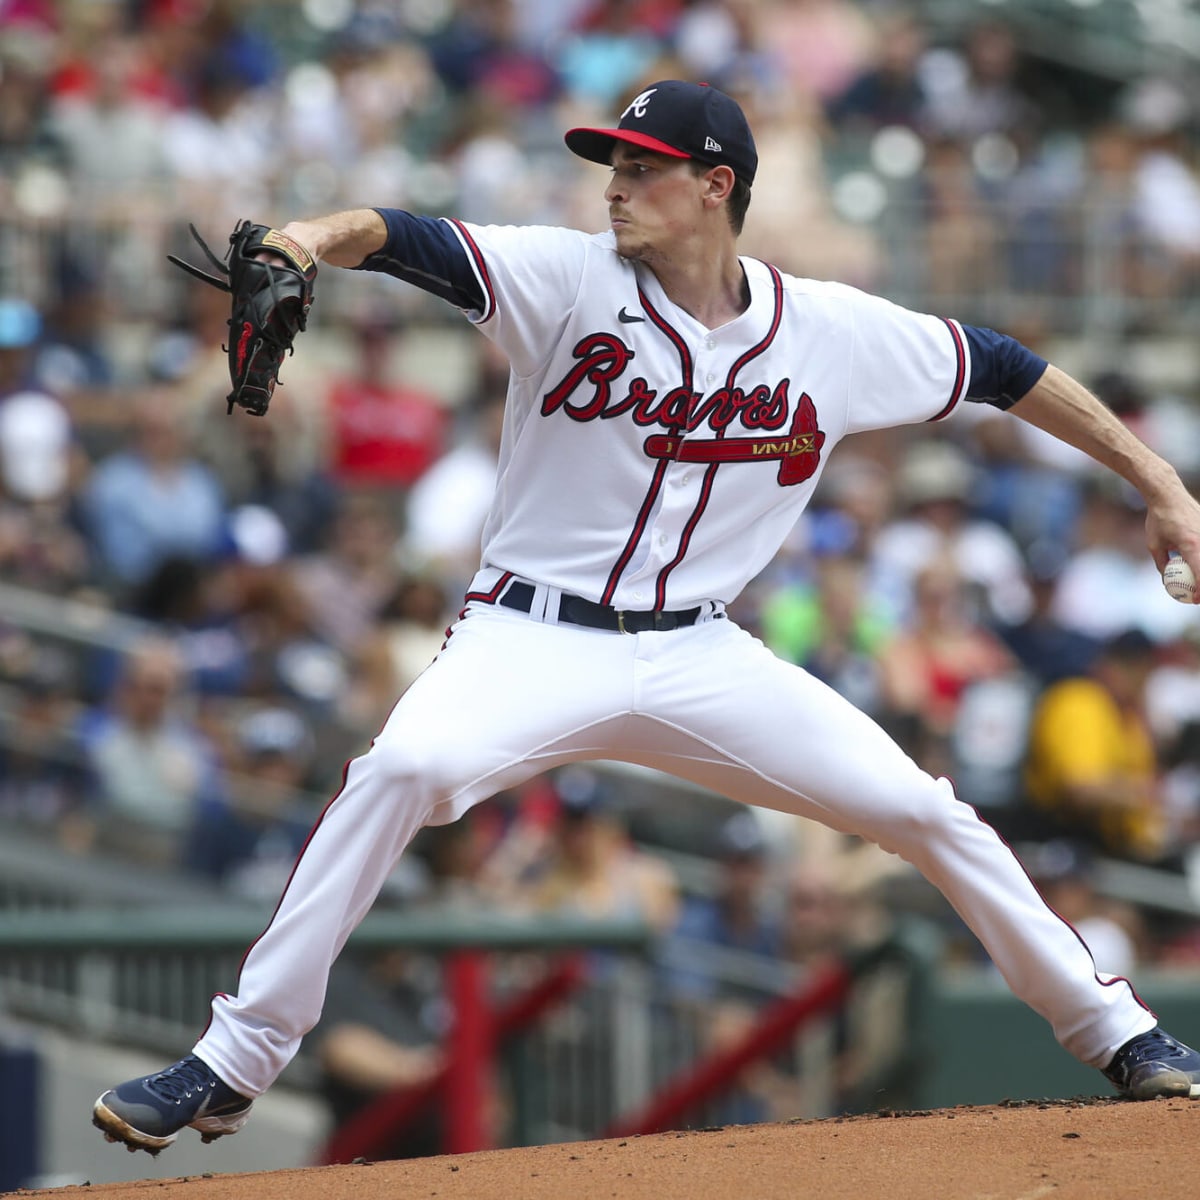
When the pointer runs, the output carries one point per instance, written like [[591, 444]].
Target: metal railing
[[607, 1036], [144, 976]]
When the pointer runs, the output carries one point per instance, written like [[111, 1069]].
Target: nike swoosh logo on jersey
[[627, 318]]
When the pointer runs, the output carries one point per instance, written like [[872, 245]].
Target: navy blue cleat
[[1154, 1064], [148, 1113]]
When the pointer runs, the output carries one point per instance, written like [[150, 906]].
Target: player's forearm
[[341, 239], [1063, 407]]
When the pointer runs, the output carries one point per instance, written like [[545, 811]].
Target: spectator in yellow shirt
[[1091, 766]]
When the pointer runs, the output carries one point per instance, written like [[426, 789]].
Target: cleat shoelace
[[181, 1082], [1154, 1047]]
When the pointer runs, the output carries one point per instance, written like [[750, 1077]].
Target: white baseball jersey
[[649, 462]]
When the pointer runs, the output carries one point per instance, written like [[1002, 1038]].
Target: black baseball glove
[[270, 306]]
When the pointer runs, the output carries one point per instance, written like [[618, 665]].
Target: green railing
[[206, 931], [144, 976]]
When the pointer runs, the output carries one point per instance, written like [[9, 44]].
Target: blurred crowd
[[932, 152], [261, 590]]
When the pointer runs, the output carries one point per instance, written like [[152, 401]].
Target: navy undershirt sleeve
[[1002, 370], [425, 252]]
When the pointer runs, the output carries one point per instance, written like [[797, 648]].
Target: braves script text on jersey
[[650, 463], [658, 464]]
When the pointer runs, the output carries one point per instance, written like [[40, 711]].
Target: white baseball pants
[[511, 696]]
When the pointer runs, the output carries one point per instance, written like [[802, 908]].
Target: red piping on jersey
[[685, 541], [660, 591], [776, 321], [636, 536], [639, 526], [488, 597], [481, 267], [492, 594], [960, 374]]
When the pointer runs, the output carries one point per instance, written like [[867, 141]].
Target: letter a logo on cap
[[638, 106]]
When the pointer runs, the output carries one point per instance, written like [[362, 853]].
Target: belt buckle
[[621, 621]]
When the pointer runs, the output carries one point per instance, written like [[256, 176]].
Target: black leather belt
[[575, 610]]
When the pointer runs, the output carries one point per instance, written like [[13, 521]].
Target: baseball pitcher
[[670, 409]]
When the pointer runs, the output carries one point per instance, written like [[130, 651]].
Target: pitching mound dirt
[[1085, 1149]]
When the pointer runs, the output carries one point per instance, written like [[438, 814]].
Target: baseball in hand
[[1179, 581]]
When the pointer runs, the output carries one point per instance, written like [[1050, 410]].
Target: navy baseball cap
[[684, 120]]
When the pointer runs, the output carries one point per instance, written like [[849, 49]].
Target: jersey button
[[709, 377], [637, 595]]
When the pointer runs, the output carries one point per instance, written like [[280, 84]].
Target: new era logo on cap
[[684, 120]]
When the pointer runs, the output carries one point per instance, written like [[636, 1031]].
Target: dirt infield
[[1085, 1149]]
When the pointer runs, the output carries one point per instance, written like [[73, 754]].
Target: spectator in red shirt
[[383, 432]]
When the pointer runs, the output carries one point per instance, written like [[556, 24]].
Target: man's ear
[[718, 185]]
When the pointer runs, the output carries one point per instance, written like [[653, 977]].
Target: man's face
[[654, 203], [145, 694]]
